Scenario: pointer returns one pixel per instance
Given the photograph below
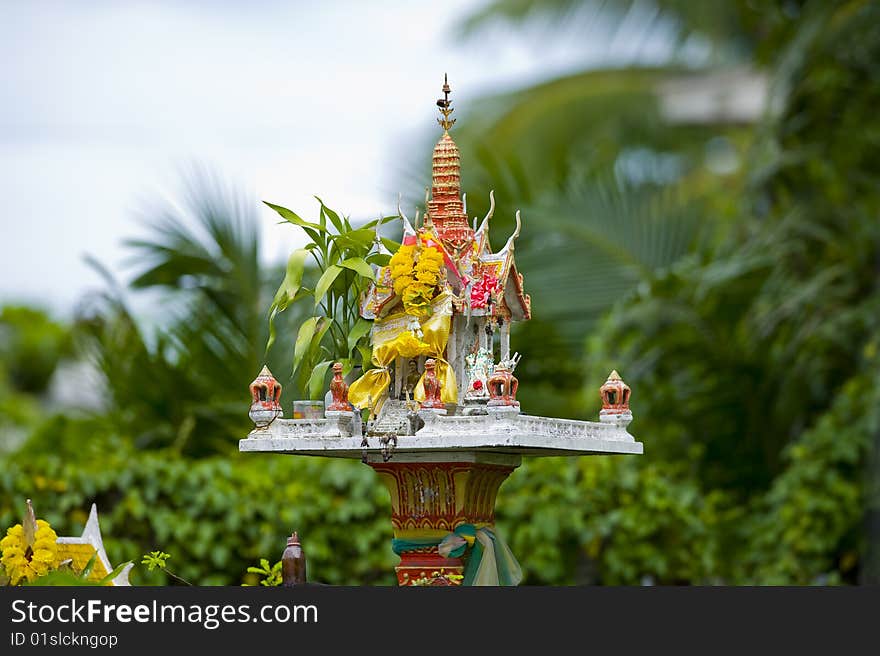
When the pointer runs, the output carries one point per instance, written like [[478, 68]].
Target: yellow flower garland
[[21, 565], [416, 273]]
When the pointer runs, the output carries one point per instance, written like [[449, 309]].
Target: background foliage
[[728, 270]]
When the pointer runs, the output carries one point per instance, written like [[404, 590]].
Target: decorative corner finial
[[29, 523], [266, 399], [408, 228], [445, 106], [428, 222], [615, 395], [377, 237], [512, 239]]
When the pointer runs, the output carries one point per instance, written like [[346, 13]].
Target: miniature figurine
[[412, 379], [502, 386], [478, 364], [432, 387], [339, 390]]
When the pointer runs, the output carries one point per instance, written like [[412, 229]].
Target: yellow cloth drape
[[369, 390], [435, 334], [394, 337]]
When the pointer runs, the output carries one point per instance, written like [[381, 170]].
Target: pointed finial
[[29, 523], [614, 375], [377, 238], [510, 242], [92, 526], [407, 226], [445, 106], [485, 224]]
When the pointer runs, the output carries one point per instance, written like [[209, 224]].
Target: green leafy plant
[[335, 332], [271, 573], [157, 559]]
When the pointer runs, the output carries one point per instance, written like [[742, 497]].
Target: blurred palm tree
[[176, 372], [612, 172]]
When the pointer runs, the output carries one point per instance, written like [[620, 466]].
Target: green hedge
[[609, 520], [217, 516], [214, 516]]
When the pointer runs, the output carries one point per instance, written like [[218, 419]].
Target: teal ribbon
[[400, 547], [467, 541]]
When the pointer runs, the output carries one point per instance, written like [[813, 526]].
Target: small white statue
[[511, 362], [479, 367]]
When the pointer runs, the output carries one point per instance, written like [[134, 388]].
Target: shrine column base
[[432, 494]]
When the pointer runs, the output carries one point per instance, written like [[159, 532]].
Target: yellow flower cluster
[[22, 563], [416, 273], [401, 264]]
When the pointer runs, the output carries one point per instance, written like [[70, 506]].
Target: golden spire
[[445, 212], [445, 106]]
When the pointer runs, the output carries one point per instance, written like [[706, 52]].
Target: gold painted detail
[[427, 577], [441, 496]]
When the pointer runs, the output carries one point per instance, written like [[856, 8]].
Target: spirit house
[[445, 426], [445, 296]]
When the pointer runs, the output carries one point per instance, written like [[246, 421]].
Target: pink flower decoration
[[483, 289]]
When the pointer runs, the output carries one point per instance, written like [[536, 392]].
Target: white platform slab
[[508, 433]]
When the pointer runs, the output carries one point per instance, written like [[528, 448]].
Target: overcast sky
[[103, 102]]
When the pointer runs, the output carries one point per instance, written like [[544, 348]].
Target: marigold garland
[[21, 563], [416, 273]]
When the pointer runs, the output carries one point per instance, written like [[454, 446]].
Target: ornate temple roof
[[467, 252]]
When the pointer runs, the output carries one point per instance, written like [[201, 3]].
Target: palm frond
[[200, 343], [730, 29], [588, 247]]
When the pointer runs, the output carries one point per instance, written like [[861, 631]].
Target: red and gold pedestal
[[431, 494]]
